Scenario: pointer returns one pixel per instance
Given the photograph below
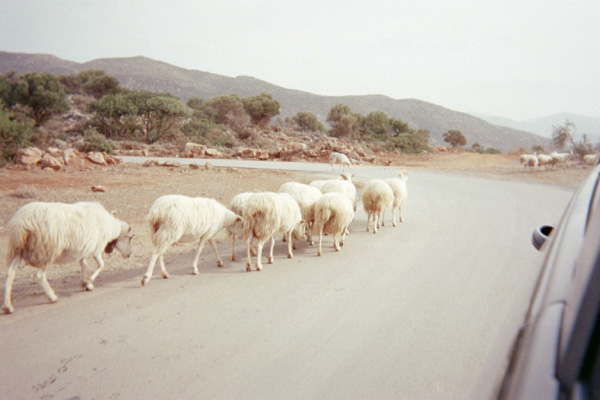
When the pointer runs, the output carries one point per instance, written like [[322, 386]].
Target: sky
[[515, 59]]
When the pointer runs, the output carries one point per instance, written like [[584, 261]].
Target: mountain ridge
[[140, 72]]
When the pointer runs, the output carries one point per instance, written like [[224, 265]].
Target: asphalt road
[[425, 310]]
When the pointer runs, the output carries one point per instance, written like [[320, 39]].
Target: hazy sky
[[516, 59]]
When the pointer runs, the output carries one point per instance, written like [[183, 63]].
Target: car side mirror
[[540, 234]]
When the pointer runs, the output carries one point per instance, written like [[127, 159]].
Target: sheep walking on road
[[237, 204], [341, 159], [400, 191], [42, 234], [174, 218], [344, 186], [333, 212], [305, 196], [265, 215], [377, 195]]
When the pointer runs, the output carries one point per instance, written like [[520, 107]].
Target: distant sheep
[[341, 159], [175, 218], [529, 160], [305, 196], [377, 195], [560, 158], [590, 159], [42, 234], [333, 212], [400, 191], [544, 160]]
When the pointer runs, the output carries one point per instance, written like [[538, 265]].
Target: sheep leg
[[85, 282], [320, 241], [343, 236], [369, 215], [148, 274], [336, 246], [393, 216], [197, 257], [291, 244], [259, 249], [309, 235], [233, 248], [248, 258], [375, 222], [90, 285], [7, 307], [270, 259], [41, 274], [214, 246], [163, 269]]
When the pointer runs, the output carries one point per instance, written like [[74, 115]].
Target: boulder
[[49, 161], [193, 150], [29, 156], [97, 158]]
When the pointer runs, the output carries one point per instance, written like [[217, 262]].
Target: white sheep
[[344, 186], [529, 160], [400, 191], [560, 158], [544, 160], [175, 218], [42, 234], [265, 215], [590, 159], [305, 196], [341, 159], [333, 212], [377, 195]]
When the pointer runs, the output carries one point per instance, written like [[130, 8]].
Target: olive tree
[[43, 94], [455, 138], [261, 108]]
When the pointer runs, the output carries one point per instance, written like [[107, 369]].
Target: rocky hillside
[[144, 73]]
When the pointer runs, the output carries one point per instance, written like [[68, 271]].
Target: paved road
[[421, 311]]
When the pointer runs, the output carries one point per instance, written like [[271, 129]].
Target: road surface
[[425, 310]]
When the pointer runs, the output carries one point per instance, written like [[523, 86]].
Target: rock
[[29, 156], [97, 158], [98, 188], [208, 166], [213, 153], [69, 155], [193, 150], [194, 166], [170, 163], [112, 160], [49, 161]]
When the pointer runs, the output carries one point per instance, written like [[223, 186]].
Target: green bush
[[13, 136], [95, 141]]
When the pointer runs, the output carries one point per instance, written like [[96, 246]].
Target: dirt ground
[[131, 189]]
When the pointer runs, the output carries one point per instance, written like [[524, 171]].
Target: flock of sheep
[[42, 234], [554, 159]]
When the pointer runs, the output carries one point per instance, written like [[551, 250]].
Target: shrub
[[13, 136], [95, 141]]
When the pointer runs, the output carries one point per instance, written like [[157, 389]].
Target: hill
[[144, 73]]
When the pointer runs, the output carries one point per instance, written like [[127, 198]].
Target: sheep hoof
[[290, 255], [165, 275], [248, 267], [259, 267], [319, 253], [270, 260], [394, 224], [219, 264], [8, 309], [53, 299], [195, 272], [145, 280], [88, 287]]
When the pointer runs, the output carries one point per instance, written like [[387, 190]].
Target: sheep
[[529, 160], [377, 195], [339, 158], [400, 191], [544, 160], [265, 215], [590, 159], [42, 234], [333, 212], [237, 205], [305, 196], [344, 186], [560, 158], [175, 218]]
